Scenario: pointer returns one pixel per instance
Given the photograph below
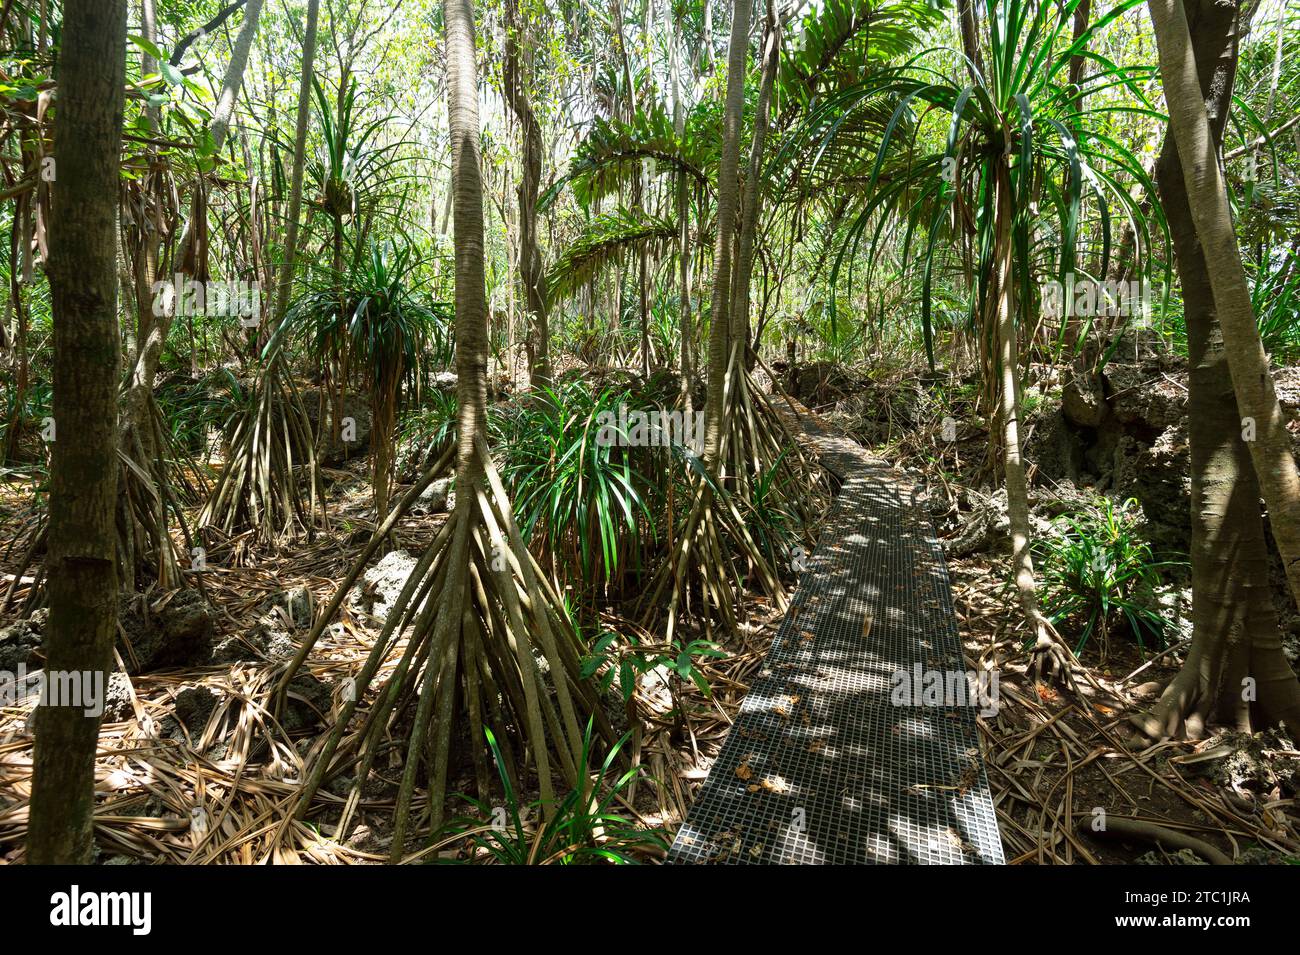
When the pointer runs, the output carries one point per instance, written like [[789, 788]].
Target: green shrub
[[590, 500], [1100, 577], [427, 431], [582, 828]]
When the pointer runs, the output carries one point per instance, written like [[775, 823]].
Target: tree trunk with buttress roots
[[477, 526], [1235, 673], [1261, 415]]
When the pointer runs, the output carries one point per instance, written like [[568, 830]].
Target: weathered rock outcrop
[[176, 634]]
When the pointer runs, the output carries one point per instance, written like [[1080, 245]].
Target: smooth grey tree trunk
[[1235, 636], [1262, 420], [299, 159], [770, 60]]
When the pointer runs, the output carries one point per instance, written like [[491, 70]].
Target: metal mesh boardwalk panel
[[822, 765]]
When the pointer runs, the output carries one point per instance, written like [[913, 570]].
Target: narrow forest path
[[823, 764]]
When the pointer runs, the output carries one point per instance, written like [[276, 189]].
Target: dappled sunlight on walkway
[[823, 765]]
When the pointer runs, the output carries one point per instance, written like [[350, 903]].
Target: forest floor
[[196, 767]]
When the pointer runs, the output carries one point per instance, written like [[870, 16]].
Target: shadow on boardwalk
[[821, 766]]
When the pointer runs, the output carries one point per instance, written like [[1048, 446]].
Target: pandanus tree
[[748, 452], [147, 484], [355, 178], [373, 314], [613, 153], [700, 550], [1015, 155], [162, 246], [611, 156], [753, 462], [477, 611], [271, 438], [747, 447]]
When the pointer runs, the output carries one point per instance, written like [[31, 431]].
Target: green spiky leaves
[[614, 154], [605, 241]]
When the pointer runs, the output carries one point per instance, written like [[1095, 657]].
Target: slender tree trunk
[[704, 55], [969, 37], [1275, 75], [471, 296], [83, 469], [684, 251], [1262, 419], [14, 428], [1077, 62], [299, 154], [149, 30], [638, 194], [1022, 565], [235, 69], [771, 58], [728, 197], [1235, 635], [531, 272]]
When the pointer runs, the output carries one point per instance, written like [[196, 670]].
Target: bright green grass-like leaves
[[579, 481], [1100, 577], [582, 830]]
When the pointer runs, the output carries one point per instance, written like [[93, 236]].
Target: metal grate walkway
[[821, 766]]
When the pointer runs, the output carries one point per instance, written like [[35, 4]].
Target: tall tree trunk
[[969, 37], [471, 284], [235, 69], [482, 611], [83, 468], [517, 71], [684, 251], [149, 30], [299, 156], [771, 58], [1262, 418], [438, 693], [1235, 635], [728, 197], [1078, 61], [638, 194], [1004, 317], [704, 54]]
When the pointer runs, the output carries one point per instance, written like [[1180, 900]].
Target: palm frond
[[605, 241]]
